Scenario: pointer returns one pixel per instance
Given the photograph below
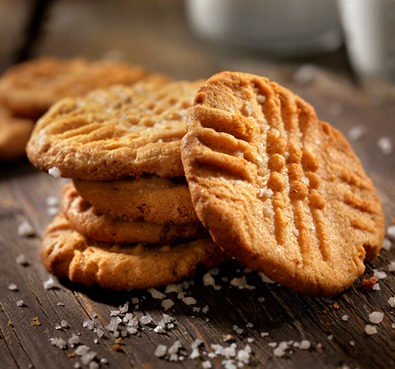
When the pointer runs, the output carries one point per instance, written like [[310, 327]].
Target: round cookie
[[30, 88], [66, 253], [14, 134], [103, 228], [149, 198], [278, 189], [115, 133]]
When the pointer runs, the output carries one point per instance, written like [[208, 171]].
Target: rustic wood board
[[269, 308], [336, 342]]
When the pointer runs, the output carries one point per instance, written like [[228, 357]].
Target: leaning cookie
[[149, 199], [278, 189], [30, 88], [66, 253], [115, 133], [96, 226], [14, 133]]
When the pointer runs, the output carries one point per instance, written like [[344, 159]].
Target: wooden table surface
[[242, 320]]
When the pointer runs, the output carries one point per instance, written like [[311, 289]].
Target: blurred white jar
[[369, 27], [278, 27]]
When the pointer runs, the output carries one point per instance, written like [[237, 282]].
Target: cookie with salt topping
[[85, 219], [115, 133], [67, 254], [280, 190]]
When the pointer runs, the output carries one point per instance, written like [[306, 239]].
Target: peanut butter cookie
[[277, 188], [66, 253], [149, 198], [14, 133], [96, 226], [30, 88], [115, 133]]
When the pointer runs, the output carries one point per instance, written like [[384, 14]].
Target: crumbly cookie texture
[[30, 88], [278, 189], [115, 133], [146, 199], [66, 253], [14, 133], [85, 219]]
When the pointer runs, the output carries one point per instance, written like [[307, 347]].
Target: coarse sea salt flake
[[391, 266], [58, 342], [156, 294], [376, 317], [189, 301], [20, 303], [304, 345], [391, 301], [25, 229], [385, 145], [54, 172], [387, 244], [13, 287], [22, 260], [146, 319], [49, 283], [356, 133], [167, 304], [391, 232], [379, 274], [370, 329]]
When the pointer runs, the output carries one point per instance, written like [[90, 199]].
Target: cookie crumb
[[368, 284], [35, 322]]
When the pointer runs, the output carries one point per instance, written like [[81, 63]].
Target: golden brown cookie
[[149, 198], [277, 188], [66, 253], [14, 134], [30, 88], [115, 133], [96, 226]]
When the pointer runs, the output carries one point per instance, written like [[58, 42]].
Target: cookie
[[14, 134], [30, 88], [147, 199], [278, 189], [96, 226], [66, 253], [115, 133]]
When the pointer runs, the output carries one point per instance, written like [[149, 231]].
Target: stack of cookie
[[127, 218], [276, 188], [28, 90]]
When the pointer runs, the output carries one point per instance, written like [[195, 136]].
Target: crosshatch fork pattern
[[260, 169]]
